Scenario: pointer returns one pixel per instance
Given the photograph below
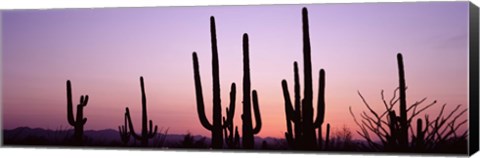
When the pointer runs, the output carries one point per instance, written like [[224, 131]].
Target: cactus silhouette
[[398, 140], [403, 131], [327, 137], [419, 139], [216, 126], [248, 131], [430, 136], [302, 115], [232, 138], [146, 133], [80, 121], [123, 131]]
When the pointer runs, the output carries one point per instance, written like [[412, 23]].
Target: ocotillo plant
[[146, 133], [80, 121], [248, 130], [216, 126], [393, 132], [302, 115], [123, 131]]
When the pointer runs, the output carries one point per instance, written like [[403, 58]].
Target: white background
[[74, 153]]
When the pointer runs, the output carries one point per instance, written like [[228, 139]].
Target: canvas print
[[359, 77]]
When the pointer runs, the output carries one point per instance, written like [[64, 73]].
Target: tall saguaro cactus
[[398, 139], [403, 103], [216, 126], [146, 133], [302, 115], [248, 129], [78, 122]]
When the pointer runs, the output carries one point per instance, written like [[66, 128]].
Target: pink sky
[[105, 51]]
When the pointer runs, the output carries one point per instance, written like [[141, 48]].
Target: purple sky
[[105, 51]]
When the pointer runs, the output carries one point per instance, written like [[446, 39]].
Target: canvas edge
[[473, 79], [1, 79]]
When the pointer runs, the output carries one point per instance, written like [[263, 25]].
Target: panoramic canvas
[[365, 77]]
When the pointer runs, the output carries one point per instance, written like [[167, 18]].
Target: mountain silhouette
[[26, 136]]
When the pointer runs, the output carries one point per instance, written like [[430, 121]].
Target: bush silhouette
[[393, 132]]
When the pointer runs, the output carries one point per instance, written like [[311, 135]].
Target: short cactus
[[123, 131], [80, 121]]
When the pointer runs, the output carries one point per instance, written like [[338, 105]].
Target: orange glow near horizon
[[105, 51]]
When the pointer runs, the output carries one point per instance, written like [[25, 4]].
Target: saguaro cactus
[[146, 133], [80, 121], [216, 126], [327, 137], [398, 138], [248, 130], [123, 131], [302, 115], [419, 139], [403, 104], [232, 138]]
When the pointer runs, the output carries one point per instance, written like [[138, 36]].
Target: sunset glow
[[103, 52]]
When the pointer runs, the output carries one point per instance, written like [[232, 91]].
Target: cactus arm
[[321, 100], [198, 91], [256, 112], [327, 137], [297, 92], [289, 111], [288, 114], [297, 114], [84, 102], [124, 134], [84, 120], [130, 125], [227, 139], [121, 132], [70, 117], [151, 132], [231, 109]]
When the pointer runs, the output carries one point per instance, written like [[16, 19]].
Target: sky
[[103, 52]]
